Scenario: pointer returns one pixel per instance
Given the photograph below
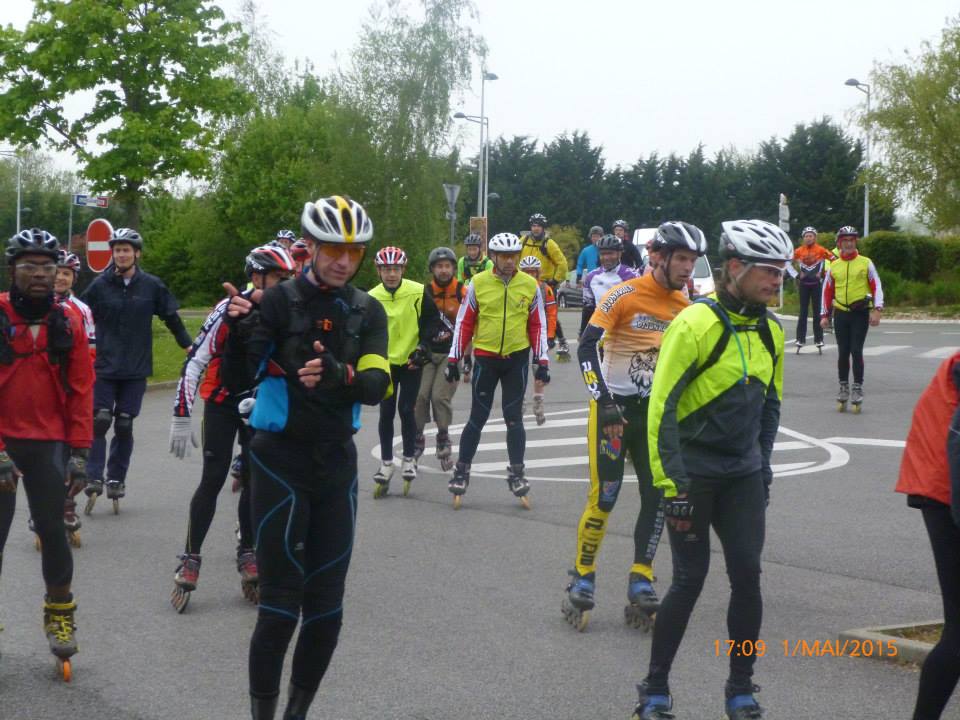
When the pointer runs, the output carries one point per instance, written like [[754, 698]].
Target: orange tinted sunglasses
[[335, 251]]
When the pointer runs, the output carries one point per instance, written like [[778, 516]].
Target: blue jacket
[[124, 314], [589, 260]]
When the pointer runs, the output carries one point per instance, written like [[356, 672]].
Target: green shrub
[[950, 253], [945, 292], [892, 251], [894, 288]]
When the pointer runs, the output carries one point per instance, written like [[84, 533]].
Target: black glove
[[468, 364], [77, 470], [8, 473], [542, 373], [334, 373], [419, 357], [551, 342], [608, 412], [678, 508], [452, 373]]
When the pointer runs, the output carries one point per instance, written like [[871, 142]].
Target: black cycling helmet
[[676, 235], [34, 241], [441, 253], [538, 219], [847, 231], [127, 235], [609, 242], [473, 239]]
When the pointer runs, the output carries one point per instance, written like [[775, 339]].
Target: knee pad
[[101, 422], [123, 428], [609, 490]]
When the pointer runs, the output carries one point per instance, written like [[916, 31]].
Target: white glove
[[181, 437]]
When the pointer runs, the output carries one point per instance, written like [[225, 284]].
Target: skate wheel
[[251, 591], [91, 501], [65, 669], [841, 406], [74, 539], [179, 598], [116, 507], [446, 465], [525, 502], [380, 491], [637, 618], [406, 487], [37, 545], [855, 409], [457, 501], [578, 619]]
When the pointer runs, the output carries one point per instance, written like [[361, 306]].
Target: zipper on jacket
[[503, 332]]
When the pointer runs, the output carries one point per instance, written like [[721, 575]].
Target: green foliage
[[916, 257], [168, 357], [570, 239], [916, 119], [151, 68]]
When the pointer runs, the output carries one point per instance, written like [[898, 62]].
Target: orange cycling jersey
[[812, 260], [550, 308], [634, 315]]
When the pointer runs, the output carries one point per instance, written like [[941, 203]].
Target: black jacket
[[124, 317]]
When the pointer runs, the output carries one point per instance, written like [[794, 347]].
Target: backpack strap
[[6, 333], [721, 343]]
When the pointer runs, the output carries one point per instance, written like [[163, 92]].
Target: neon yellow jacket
[[723, 421], [553, 263], [403, 307]]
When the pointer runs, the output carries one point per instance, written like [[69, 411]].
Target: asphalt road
[[456, 614]]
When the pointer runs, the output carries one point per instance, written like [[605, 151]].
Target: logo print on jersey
[[642, 365], [611, 448], [611, 298]]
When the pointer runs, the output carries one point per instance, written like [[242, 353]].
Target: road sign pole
[[70, 229]]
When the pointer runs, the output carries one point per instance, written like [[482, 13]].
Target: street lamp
[[486, 140], [484, 123], [864, 88], [13, 154]]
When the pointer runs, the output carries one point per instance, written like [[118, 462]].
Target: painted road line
[[883, 349], [872, 442], [898, 332], [940, 353]]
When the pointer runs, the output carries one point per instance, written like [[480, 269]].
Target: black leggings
[[304, 506], [809, 295], [44, 467], [736, 509], [221, 423], [511, 374], [406, 385], [850, 330], [941, 669]]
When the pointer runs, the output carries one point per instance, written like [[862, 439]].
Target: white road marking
[[940, 353], [883, 349], [872, 442], [898, 332]]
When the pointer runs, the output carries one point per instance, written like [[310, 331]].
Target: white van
[[703, 282]]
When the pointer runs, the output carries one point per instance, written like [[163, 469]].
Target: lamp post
[[865, 89], [485, 135], [481, 164], [16, 158]]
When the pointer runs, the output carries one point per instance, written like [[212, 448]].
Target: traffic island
[[897, 643]]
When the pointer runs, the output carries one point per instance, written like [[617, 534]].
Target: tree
[[152, 69], [916, 121]]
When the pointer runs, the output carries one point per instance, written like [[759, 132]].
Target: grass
[[168, 357], [921, 633]]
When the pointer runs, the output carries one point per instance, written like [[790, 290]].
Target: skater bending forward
[[323, 344], [713, 417], [46, 419]]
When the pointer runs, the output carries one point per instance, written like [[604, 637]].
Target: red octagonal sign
[[99, 233]]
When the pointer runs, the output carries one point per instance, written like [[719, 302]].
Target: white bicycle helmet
[[504, 243], [678, 235], [754, 240], [336, 219], [530, 262]]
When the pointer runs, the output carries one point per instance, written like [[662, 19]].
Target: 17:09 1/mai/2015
[[808, 648]]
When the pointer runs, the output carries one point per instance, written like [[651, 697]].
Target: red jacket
[[34, 405], [925, 469]]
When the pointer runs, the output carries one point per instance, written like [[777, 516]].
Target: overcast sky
[[641, 76]]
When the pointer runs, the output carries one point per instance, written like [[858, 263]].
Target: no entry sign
[[99, 233]]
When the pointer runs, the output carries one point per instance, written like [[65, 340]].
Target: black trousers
[[510, 373], [850, 330], [736, 509], [406, 385], [810, 296]]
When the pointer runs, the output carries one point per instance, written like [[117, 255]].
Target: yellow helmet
[[336, 219]]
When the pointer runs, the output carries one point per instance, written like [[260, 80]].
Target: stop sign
[[99, 233]]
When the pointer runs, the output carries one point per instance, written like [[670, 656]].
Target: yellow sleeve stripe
[[376, 362]]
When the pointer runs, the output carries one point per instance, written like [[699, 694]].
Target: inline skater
[[811, 259], [589, 257], [629, 323], [46, 415], [610, 272], [553, 267], [412, 319], [474, 261], [436, 392], [531, 266], [632, 257], [324, 343], [852, 293], [713, 417], [68, 270], [265, 267], [503, 316], [930, 478], [123, 301]]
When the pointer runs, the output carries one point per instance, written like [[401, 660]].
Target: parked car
[[569, 294], [702, 282]]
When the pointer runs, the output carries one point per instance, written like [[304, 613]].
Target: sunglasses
[[336, 251], [771, 269], [29, 267]]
